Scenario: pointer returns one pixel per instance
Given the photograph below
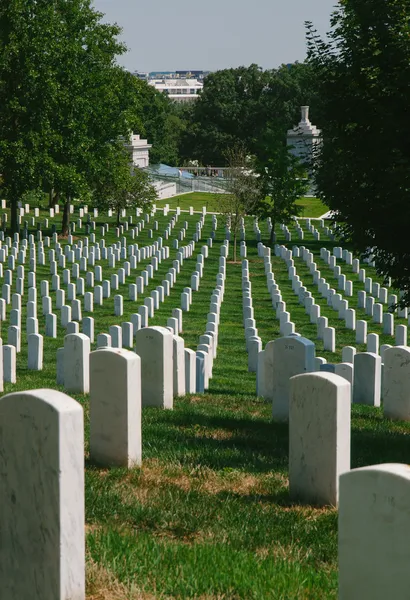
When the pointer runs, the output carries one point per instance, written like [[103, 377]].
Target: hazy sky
[[166, 35]]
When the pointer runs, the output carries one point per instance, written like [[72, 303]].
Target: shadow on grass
[[219, 442], [279, 498], [222, 392], [378, 447]]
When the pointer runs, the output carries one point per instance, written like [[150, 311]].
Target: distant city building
[[141, 75], [304, 137], [181, 86], [180, 90], [200, 75], [139, 150]]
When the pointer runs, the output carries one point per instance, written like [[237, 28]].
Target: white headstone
[[42, 549], [154, 345], [77, 363], [190, 371], [179, 366], [35, 352], [290, 356], [115, 407], [367, 379], [319, 436], [374, 532], [396, 383]]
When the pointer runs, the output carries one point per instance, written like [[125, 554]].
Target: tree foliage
[[241, 106], [158, 119], [243, 190], [64, 101], [283, 181], [363, 169], [94, 103], [118, 187], [27, 93]]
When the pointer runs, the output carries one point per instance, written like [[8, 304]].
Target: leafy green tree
[[158, 119], [95, 103], [363, 169], [63, 99], [120, 187], [27, 94], [283, 180], [240, 106], [243, 191], [225, 114]]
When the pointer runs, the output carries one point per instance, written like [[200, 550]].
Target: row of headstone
[[328, 334], [69, 314], [282, 359], [208, 342], [252, 340], [374, 505]]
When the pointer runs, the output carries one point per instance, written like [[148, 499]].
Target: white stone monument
[[303, 138]]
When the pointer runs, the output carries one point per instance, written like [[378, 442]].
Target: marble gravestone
[[396, 383], [367, 378], [77, 363], [319, 436], [179, 386], [374, 533], [42, 542], [290, 356], [190, 371], [115, 407], [154, 345]]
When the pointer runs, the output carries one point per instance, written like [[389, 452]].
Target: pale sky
[[167, 35]]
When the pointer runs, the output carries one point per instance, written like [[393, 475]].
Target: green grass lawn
[[208, 515], [195, 199], [312, 207]]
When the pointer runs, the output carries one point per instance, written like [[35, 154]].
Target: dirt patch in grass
[[91, 528], [198, 399], [208, 433], [146, 484], [102, 585]]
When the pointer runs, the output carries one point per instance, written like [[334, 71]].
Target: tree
[[243, 191], [120, 188], [363, 168], [95, 102], [239, 105], [283, 181], [158, 119], [27, 94], [63, 99]]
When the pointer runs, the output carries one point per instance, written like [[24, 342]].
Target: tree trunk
[[14, 215], [51, 198], [272, 234], [235, 235], [118, 216], [65, 226]]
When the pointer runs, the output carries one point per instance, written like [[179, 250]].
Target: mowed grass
[[195, 199], [208, 515], [312, 207]]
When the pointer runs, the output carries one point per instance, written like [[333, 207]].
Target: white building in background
[[304, 137], [139, 150], [180, 90]]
